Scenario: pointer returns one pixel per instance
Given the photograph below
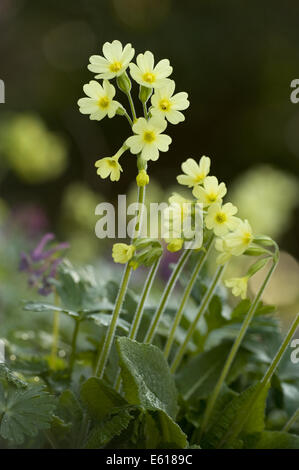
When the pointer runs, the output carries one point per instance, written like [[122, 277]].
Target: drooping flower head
[[115, 61], [234, 243], [99, 103], [41, 265], [167, 105], [147, 74], [195, 173], [149, 139], [122, 253], [238, 286], [109, 166]]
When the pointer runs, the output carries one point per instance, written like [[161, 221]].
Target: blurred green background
[[235, 59]]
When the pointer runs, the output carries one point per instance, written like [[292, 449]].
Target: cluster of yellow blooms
[[233, 236], [166, 106]]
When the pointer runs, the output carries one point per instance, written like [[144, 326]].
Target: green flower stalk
[[165, 297], [203, 306], [188, 290], [105, 351], [237, 343]]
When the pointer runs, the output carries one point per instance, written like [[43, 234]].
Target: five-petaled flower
[[100, 101], [167, 105], [147, 74], [221, 218], [195, 173], [149, 139], [115, 61], [211, 191]]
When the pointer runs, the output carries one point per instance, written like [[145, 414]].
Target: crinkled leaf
[[219, 434], [146, 376], [24, 412], [112, 426]]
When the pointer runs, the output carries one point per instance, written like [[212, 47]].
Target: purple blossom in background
[[41, 264]]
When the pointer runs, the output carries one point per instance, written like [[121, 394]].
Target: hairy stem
[[188, 290], [166, 294], [204, 304], [74, 346], [55, 333], [105, 351], [131, 102], [234, 349]]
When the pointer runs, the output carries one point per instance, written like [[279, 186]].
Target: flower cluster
[[148, 138], [41, 265], [233, 236]]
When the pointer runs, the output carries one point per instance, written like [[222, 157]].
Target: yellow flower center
[[198, 178], [148, 77], [112, 163], [212, 197], [165, 105], [246, 238], [115, 67], [149, 137], [104, 102], [221, 217]]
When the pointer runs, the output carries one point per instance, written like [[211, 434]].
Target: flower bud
[[144, 93], [142, 179], [124, 83], [175, 245]]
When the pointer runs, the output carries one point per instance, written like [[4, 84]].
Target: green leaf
[[273, 440], [10, 377], [146, 376], [112, 426], [199, 376], [24, 412], [45, 307], [162, 432], [219, 434], [100, 398]]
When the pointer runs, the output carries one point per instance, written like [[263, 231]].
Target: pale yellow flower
[[195, 173], [147, 74], [211, 191], [225, 253], [221, 218], [238, 241], [122, 253], [115, 61], [149, 139], [100, 101], [167, 105], [238, 286], [109, 166]]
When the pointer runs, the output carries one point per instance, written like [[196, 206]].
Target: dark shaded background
[[235, 59]]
